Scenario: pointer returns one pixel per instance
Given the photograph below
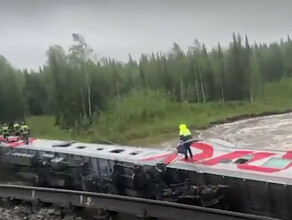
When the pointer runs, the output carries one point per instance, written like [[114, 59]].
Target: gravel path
[[26, 213]]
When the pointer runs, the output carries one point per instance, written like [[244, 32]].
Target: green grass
[[43, 127], [155, 118]]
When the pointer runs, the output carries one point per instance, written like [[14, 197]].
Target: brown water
[[268, 132]]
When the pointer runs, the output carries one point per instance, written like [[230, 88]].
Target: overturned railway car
[[220, 175]]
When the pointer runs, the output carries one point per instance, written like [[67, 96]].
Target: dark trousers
[[188, 150], [5, 135]]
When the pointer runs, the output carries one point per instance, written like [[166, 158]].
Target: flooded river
[[268, 132]]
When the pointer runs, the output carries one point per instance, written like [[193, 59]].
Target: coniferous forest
[[77, 88]]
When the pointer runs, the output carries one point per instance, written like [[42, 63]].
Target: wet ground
[[268, 132], [26, 212]]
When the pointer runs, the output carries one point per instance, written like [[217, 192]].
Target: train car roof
[[210, 156], [109, 152]]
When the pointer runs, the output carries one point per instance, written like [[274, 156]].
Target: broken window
[[135, 153], [80, 147], [117, 151], [244, 159], [64, 144]]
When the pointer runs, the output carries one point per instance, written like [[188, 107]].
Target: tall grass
[[133, 112], [44, 127]]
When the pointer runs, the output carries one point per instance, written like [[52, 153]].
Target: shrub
[[137, 108]]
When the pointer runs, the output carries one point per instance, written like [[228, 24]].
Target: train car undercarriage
[[153, 182], [177, 183]]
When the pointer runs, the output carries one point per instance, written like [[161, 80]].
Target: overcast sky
[[118, 27]]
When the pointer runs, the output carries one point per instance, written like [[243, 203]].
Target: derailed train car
[[220, 175]]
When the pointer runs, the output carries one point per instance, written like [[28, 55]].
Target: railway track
[[143, 208]]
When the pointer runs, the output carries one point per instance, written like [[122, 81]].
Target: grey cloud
[[117, 28]]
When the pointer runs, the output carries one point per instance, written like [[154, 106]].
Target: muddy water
[[268, 132]]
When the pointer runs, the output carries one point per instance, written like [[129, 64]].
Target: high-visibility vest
[[184, 131], [24, 128]]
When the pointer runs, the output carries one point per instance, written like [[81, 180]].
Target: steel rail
[[122, 204]]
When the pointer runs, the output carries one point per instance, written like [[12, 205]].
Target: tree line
[[76, 87]]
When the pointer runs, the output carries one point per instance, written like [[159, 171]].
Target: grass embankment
[[152, 117]]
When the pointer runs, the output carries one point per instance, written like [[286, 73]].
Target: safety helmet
[[182, 126]]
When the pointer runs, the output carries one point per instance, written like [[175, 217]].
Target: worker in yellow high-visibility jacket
[[185, 136], [5, 131], [25, 131], [16, 128]]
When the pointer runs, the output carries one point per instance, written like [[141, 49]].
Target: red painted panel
[[229, 156], [288, 155], [207, 151], [19, 143], [258, 156], [171, 158]]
